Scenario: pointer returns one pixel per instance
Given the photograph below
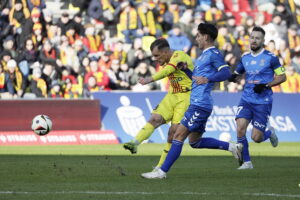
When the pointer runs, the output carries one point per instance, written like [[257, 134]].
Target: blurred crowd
[[96, 45]]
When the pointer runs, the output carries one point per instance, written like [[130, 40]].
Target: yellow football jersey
[[179, 81]]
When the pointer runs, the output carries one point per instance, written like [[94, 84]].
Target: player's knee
[[256, 138], [156, 120]]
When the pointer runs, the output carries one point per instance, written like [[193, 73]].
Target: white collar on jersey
[[254, 55], [208, 48]]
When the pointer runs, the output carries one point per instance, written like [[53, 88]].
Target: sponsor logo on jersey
[[257, 124]]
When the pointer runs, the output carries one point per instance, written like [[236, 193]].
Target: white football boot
[[237, 152], [155, 168], [158, 174], [273, 137], [246, 165]]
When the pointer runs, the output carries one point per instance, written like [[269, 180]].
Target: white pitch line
[[152, 193]]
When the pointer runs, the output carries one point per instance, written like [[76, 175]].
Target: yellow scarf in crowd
[[19, 79], [106, 5], [189, 2], [147, 20], [41, 84], [132, 17], [94, 42], [2, 80]]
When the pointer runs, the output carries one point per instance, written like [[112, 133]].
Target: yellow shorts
[[173, 107]]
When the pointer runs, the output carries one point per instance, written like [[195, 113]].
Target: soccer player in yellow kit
[[175, 103]]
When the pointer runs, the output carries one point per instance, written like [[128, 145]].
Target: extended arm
[[220, 76], [164, 72]]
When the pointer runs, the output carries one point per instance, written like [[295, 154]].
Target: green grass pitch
[[109, 172]]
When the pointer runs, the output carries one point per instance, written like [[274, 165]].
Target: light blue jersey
[[259, 69], [209, 62]]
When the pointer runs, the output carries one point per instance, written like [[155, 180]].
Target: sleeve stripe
[[222, 66], [172, 65]]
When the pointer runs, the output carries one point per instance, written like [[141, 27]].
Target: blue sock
[[210, 143], [244, 141], [267, 135], [173, 155]]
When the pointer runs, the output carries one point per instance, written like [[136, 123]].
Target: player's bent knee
[[156, 120], [257, 139]]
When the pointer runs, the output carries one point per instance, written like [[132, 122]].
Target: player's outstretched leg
[[142, 135], [212, 143], [273, 137]]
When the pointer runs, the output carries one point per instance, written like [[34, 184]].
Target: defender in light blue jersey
[[263, 71], [210, 67]]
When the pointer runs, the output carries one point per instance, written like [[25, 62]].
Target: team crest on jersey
[[262, 62]]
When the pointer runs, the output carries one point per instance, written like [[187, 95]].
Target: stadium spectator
[[177, 40], [102, 78], [105, 61], [90, 86], [296, 61], [6, 85], [92, 41], [129, 23], [38, 85], [49, 53], [285, 13], [5, 57], [147, 20], [292, 83], [293, 37], [18, 14], [124, 75], [17, 78], [27, 57], [55, 91], [70, 90], [37, 35], [78, 24], [9, 45], [49, 74], [142, 70], [36, 17]]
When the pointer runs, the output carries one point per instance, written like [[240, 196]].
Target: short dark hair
[[208, 29], [259, 29], [160, 43]]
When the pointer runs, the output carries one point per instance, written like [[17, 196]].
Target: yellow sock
[[164, 154], [145, 133]]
